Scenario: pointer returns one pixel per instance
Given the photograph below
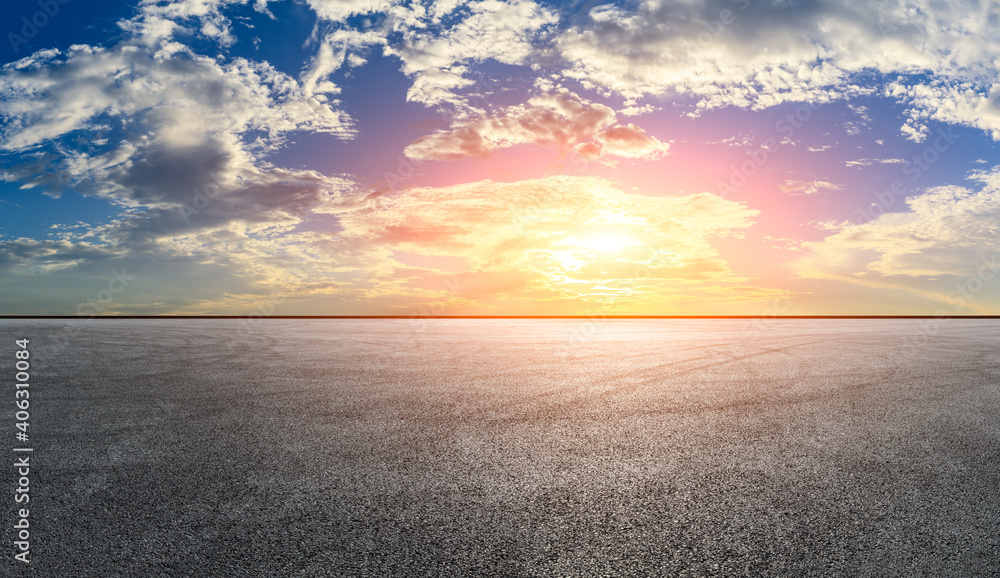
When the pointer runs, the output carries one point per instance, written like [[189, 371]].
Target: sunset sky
[[450, 157]]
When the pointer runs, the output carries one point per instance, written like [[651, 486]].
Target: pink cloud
[[559, 118]]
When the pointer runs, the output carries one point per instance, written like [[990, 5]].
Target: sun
[[601, 242]]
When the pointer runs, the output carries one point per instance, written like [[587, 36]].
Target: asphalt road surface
[[507, 448]]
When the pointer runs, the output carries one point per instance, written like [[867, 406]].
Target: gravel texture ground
[[508, 448]]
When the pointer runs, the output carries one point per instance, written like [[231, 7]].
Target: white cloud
[[435, 57], [946, 232], [754, 58], [175, 144], [635, 110], [560, 117], [867, 162], [759, 54], [796, 187], [337, 10], [724, 53], [177, 98], [964, 104], [160, 20], [336, 48]]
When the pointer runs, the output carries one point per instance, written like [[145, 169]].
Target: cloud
[[338, 10], [722, 52], [560, 118], [753, 57], [199, 225], [158, 21], [178, 144], [760, 54], [795, 187], [945, 232], [436, 56], [336, 48], [191, 122], [867, 162], [174, 97], [175, 142], [963, 104], [575, 238]]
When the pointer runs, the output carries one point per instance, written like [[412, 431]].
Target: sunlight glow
[[602, 242]]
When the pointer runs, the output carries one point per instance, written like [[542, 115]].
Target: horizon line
[[608, 317]]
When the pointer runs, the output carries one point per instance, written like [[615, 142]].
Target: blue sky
[[483, 157]]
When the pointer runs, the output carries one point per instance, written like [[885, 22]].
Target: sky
[[478, 157]]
